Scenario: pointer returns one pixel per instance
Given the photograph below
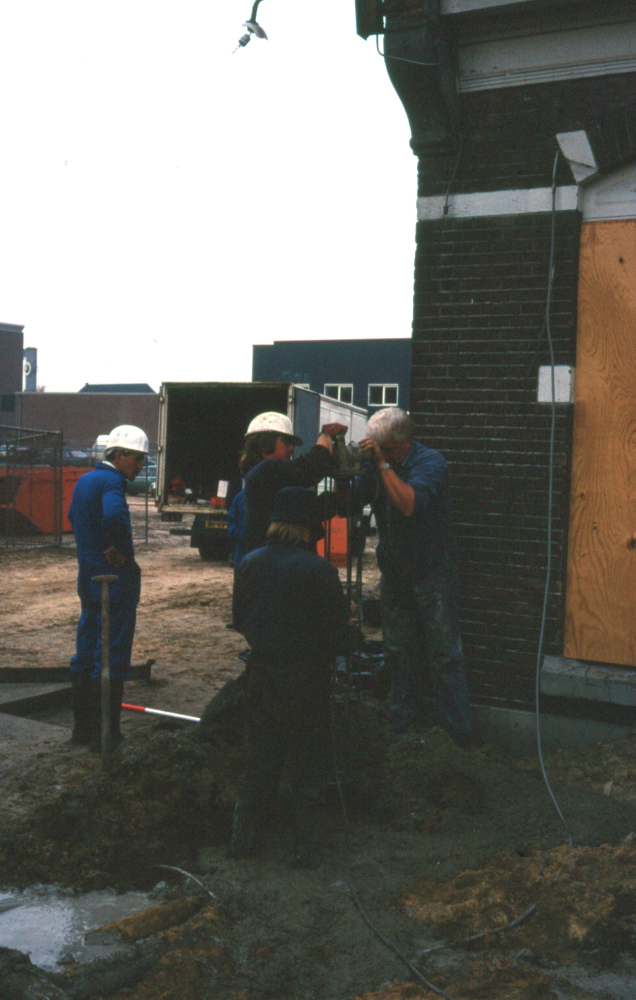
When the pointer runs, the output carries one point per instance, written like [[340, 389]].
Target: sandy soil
[[442, 845]]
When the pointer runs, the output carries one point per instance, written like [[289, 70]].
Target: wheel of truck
[[214, 548]]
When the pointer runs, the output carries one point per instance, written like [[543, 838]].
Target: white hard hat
[[273, 422], [128, 437]]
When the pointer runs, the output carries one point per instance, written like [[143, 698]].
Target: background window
[[383, 395], [343, 393]]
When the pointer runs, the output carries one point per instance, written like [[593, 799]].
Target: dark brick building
[[523, 118], [369, 373], [11, 345]]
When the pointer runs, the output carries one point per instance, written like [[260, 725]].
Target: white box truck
[[201, 433]]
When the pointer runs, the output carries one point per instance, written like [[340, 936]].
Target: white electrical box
[[563, 384]]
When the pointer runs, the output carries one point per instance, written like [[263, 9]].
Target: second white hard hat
[[128, 437], [273, 422]]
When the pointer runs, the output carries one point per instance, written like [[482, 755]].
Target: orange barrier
[[336, 537], [27, 498]]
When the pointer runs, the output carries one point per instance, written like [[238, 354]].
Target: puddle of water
[[47, 923]]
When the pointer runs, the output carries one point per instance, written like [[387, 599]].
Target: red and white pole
[[157, 711]]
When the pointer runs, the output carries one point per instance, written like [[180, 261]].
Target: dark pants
[[278, 729], [123, 599], [420, 630]]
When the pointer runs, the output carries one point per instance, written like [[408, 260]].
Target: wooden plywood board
[[601, 582]]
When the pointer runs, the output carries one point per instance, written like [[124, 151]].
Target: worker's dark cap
[[295, 505]]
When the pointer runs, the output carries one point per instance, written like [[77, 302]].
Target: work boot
[[95, 698], [245, 829], [116, 695], [116, 698], [81, 703]]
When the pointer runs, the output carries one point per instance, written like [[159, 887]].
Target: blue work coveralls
[[419, 592], [100, 518]]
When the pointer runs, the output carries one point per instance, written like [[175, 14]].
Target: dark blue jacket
[[100, 518], [290, 606], [263, 482], [423, 545], [236, 526]]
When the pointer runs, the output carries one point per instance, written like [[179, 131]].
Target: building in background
[[117, 387], [368, 373], [30, 365], [82, 417], [11, 347], [523, 119]]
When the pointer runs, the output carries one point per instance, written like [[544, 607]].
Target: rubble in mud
[[584, 899]]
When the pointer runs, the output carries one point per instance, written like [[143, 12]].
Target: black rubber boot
[[95, 745], [245, 829], [116, 696], [81, 702]]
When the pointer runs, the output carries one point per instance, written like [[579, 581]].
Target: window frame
[[338, 386], [383, 386]]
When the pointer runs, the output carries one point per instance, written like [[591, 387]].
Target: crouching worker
[[290, 606], [101, 523]]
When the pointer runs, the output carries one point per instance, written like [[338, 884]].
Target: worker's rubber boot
[[246, 829], [116, 698], [95, 745], [81, 702], [116, 695]]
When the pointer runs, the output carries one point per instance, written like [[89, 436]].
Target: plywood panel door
[[601, 580]]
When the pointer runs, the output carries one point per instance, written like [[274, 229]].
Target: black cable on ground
[[363, 913], [546, 593]]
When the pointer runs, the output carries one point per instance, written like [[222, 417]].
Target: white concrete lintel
[[548, 57], [480, 203], [592, 682]]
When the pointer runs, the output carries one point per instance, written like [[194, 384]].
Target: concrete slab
[[613, 685], [23, 699], [517, 731], [60, 675]]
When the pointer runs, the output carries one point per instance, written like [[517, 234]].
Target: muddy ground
[[444, 849]]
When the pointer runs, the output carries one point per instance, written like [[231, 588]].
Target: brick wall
[[508, 134], [480, 296]]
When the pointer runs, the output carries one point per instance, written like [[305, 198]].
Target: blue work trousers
[[123, 600], [420, 631]]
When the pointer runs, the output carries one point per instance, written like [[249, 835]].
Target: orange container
[[336, 541], [27, 497]]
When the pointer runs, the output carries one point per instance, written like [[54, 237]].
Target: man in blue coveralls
[[408, 487], [101, 522]]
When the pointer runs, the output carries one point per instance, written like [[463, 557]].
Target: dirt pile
[[169, 793], [585, 901], [162, 799]]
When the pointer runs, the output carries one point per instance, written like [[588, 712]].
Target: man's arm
[[116, 525], [399, 493]]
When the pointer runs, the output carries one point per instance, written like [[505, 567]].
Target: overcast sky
[[165, 203]]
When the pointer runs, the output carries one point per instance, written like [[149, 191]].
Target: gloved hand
[[333, 429]]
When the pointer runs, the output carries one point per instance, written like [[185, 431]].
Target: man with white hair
[[408, 486], [103, 533]]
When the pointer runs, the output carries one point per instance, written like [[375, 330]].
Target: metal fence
[[38, 472], [31, 487]]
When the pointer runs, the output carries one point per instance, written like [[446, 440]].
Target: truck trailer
[[202, 428]]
